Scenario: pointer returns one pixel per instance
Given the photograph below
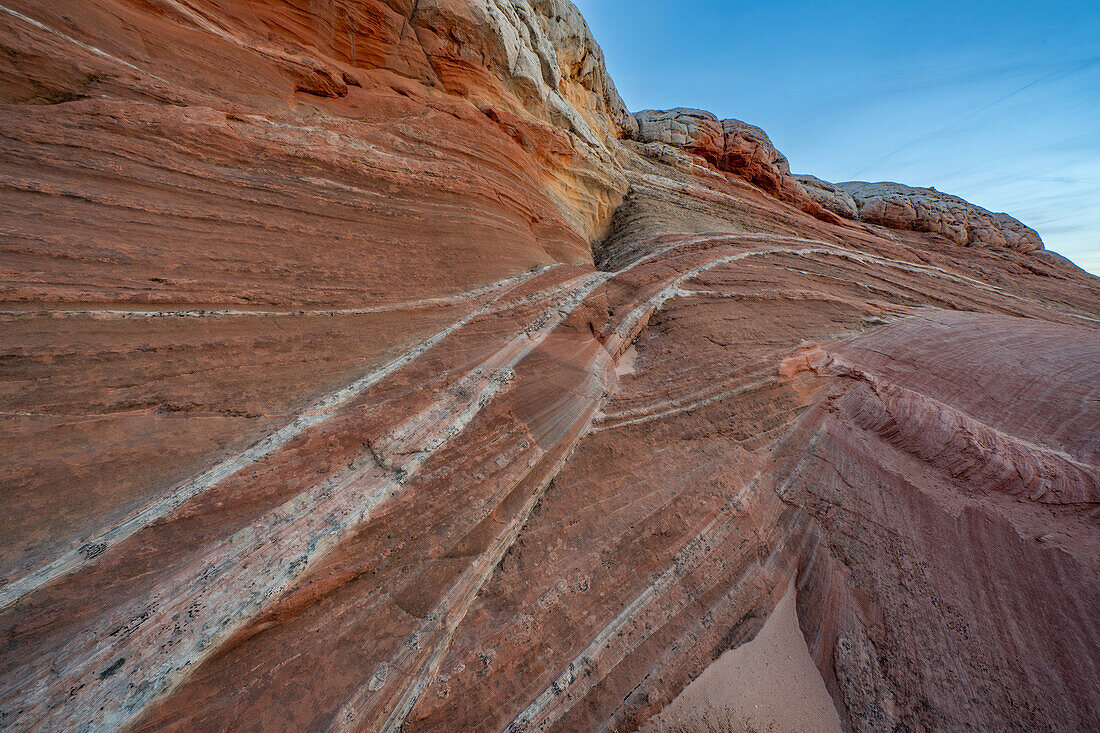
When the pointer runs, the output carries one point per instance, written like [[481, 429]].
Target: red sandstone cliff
[[317, 415]]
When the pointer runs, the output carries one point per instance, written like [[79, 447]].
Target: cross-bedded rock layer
[[367, 366], [745, 150]]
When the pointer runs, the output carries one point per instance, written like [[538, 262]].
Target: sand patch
[[769, 681], [626, 362]]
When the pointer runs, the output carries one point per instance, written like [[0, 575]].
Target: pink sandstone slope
[[366, 365]]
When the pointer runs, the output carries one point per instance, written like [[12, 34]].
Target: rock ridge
[[746, 151]]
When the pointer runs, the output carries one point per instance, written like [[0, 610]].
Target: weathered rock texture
[[361, 371], [928, 210], [750, 153], [746, 151], [830, 196], [697, 131], [731, 146]]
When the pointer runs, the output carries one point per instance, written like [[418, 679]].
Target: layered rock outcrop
[[746, 151], [896, 206], [830, 196], [731, 146], [749, 153], [552, 72], [696, 131], [928, 210], [365, 368]]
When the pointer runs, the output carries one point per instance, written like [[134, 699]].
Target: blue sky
[[997, 102]]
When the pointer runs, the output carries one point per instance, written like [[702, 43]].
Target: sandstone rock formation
[[750, 153], [746, 151], [928, 210], [922, 210], [365, 368], [731, 146], [832, 197], [697, 131]]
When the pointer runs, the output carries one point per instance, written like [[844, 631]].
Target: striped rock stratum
[[366, 365]]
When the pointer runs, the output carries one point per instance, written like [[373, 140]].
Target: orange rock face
[[366, 368]]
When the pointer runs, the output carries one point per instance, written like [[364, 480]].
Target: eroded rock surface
[[928, 210], [746, 151], [832, 197], [749, 152], [695, 130], [732, 146], [362, 371]]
